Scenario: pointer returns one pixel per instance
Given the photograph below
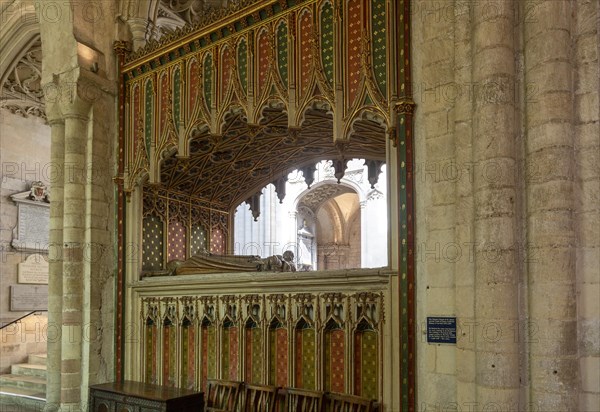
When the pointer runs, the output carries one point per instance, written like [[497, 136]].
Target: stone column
[[461, 97], [140, 29], [587, 174], [364, 230], [496, 264], [550, 204], [76, 135], [55, 290]]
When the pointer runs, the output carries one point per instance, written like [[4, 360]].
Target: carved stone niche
[[31, 234]]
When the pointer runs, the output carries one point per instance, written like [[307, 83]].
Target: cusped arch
[[370, 113]]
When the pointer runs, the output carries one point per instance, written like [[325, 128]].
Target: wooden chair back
[[259, 398], [339, 402], [222, 395], [302, 400]]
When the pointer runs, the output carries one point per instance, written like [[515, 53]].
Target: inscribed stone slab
[[33, 270], [28, 297]]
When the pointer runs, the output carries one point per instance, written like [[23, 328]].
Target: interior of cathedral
[[300, 205]]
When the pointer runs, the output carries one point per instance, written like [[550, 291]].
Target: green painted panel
[[327, 55], [282, 51], [378, 48], [152, 243], [369, 364], [242, 63], [177, 96], [308, 359], [208, 62], [148, 111]]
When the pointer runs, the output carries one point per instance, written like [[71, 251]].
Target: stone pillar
[[587, 162], [463, 232], [364, 230], [55, 290], [140, 31], [496, 264], [550, 204], [76, 136]]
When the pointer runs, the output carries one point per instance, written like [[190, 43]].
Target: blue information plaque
[[441, 329]]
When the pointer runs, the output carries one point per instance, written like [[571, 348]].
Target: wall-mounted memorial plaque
[[33, 270], [28, 297], [33, 219], [441, 329]]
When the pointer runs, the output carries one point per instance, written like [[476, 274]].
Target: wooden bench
[[222, 395], [302, 400], [342, 402], [259, 398], [234, 396]]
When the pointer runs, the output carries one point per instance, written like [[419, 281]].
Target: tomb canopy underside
[[218, 110]]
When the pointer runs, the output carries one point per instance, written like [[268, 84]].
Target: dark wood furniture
[[143, 397], [259, 398], [341, 402], [222, 395], [302, 400]]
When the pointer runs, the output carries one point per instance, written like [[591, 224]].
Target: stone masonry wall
[[507, 199]]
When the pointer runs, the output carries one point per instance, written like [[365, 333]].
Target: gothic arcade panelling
[[366, 373], [225, 71], [185, 234], [305, 26], [334, 361], [242, 63], [308, 355], [177, 243], [305, 358], [151, 351], [327, 39], [262, 51], [169, 353], [379, 44], [208, 80], [193, 86], [188, 354], [152, 238], [230, 353], [354, 31], [177, 96], [254, 355], [282, 51]]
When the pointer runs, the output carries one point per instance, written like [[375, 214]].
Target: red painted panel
[[305, 34], [226, 64], [298, 365], [263, 60], [177, 240], [233, 353], [282, 357], [248, 360], [193, 85], [204, 361], [337, 360], [357, 363]]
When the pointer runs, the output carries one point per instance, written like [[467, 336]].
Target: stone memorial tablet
[[28, 297], [33, 222], [33, 270], [441, 329]]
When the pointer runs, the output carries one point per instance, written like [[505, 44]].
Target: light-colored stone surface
[[525, 204]]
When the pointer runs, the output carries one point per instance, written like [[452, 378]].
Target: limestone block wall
[[24, 158], [507, 177]]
